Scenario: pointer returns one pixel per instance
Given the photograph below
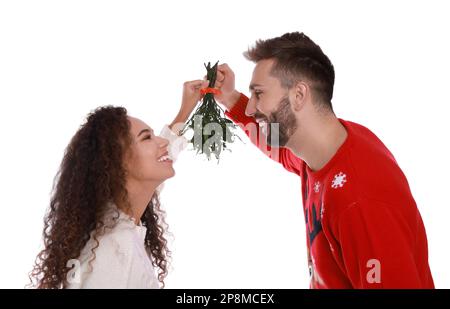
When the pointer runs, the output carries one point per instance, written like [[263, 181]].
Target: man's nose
[[250, 110]]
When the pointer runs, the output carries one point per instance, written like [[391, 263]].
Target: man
[[362, 224]]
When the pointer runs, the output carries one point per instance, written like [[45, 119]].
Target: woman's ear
[[300, 92]]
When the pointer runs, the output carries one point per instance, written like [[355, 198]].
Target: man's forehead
[[262, 74], [264, 66]]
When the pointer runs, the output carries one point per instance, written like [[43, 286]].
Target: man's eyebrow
[[143, 131], [253, 86]]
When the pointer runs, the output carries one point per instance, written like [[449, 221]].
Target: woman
[[104, 227]]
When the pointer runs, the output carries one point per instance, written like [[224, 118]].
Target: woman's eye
[[147, 137]]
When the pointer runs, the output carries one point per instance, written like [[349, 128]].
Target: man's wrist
[[231, 99]]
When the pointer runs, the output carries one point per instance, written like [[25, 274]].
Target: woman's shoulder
[[106, 258], [120, 237], [117, 234], [115, 255]]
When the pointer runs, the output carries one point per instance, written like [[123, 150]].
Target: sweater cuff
[[237, 113], [176, 143]]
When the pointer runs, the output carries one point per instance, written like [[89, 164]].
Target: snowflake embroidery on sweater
[[339, 180], [317, 187]]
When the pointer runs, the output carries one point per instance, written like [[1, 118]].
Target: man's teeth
[[164, 158]]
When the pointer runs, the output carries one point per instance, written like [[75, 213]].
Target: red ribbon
[[204, 91]]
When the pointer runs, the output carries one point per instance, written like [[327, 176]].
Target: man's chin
[[279, 143], [273, 142]]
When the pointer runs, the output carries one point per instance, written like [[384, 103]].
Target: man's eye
[[257, 94], [148, 137]]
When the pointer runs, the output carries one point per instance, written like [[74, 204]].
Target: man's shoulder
[[367, 154], [367, 170]]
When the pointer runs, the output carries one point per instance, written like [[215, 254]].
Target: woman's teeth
[[164, 158]]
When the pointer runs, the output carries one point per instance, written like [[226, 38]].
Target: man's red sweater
[[363, 227]]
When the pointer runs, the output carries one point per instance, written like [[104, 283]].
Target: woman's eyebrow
[[143, 131]]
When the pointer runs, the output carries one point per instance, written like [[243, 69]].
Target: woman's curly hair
[[91, 176]]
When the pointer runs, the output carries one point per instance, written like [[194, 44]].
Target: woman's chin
[[170, 173]]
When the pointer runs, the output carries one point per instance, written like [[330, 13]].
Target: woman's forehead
[[137, 125]]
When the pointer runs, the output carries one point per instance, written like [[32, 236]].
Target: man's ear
[[299, 94]]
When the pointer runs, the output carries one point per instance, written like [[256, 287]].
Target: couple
[[104, 227]]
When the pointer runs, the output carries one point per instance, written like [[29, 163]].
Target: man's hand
[[191, 96], [226, 83]]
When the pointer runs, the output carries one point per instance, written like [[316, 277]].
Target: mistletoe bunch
[[212, 131]]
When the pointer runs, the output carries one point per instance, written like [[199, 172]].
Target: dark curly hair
[[92, 175]]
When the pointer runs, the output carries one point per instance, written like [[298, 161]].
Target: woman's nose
[[162, 142]]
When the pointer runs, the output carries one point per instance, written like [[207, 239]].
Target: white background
[[239, 223]]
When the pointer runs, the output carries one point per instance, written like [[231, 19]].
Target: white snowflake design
[[317, 187], [339, 180]]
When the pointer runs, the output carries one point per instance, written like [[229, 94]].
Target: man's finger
[[220, 77], [223, 67]]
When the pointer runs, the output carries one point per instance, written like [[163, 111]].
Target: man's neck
[[317, 141]]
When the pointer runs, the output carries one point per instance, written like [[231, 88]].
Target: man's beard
[[281, 124]]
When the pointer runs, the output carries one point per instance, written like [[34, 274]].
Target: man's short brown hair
[[297, 58]]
